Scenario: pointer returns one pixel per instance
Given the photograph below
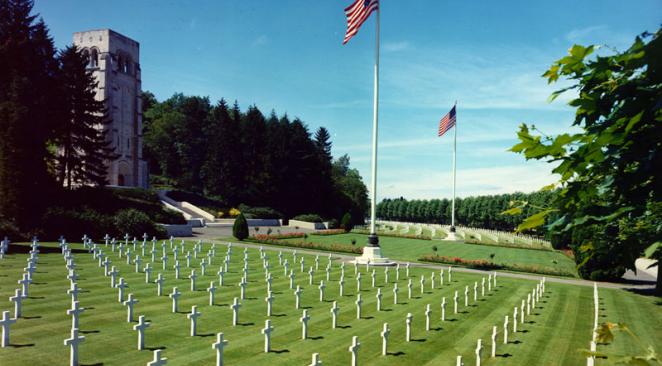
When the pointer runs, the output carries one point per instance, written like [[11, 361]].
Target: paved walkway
[[211, 236]]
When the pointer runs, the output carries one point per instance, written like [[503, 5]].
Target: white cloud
[[599, 34]]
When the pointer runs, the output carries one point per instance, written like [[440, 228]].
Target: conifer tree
[[83, 147]]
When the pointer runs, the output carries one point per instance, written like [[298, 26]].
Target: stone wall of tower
[[114, 60]]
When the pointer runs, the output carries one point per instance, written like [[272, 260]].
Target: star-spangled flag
[[447, 122], [357, 13]]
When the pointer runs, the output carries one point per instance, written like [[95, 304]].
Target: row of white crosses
[[531, 299], [21, 293]]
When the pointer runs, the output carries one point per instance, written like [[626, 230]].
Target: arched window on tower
[[120, 63], [127, 65], [94, 58], [86, 54]]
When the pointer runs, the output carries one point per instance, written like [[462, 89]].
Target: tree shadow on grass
[[343, 326], [387, 309], [437, 329], [92, 364], [515, 342], [451, 320], [278, 315], [206, 335], [17, 345], [280, 351], [316, 338], [155, 348], [31, 317], [504, 355], [251, 298], [418, 339], [396, 354], [246, 324], [90, 331]]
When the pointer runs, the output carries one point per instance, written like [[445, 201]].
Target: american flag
[[447, 122], [357, 13]]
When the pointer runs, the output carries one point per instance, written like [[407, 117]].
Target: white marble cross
[[334, 315], [317, 262], [395, 293], [140, 327], [328, 272], [310, 276], [106, 263], [466, 296], [385, 332], [219, 346], [358, 302], [321, 287], [489, 282], [494, 341], [129, 302], [291, 276], [450, 274], [242, 286], [432, 280], [220, 274], [192, 277], [455, 303], [72, 276], [407, 269], [521, 312], [479, 351], [17, 299], [73, 345], [193, 316], [422, 285], [24, 282], [148, 273], [354, 349], [5, 323], [427, 317], [316, 360], [235, 311], [297, 297], [304, 324], [138, 262], [505, 330], [269, 299], [441, 277], [386, 270], [159, 284], [75, 312], [379, 299], [158, 360], [515, 319], [475, 291], [174, 296], [443, 309], [408, 324], [409, 286], [176, 267], [212, 291], [302, 264], [528, 304], [341, 286], [120, 289], [267, 330]]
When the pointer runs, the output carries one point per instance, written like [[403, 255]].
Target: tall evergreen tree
[[83, 150], [28, 104]]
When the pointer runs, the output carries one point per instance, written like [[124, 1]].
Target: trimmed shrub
[[240, 227], [308, 218], [328, 232], [259, 212], [346, 222], [135, 223], [333, 224]]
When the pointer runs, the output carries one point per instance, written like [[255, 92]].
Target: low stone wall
[[309, 225], [178, 230], [263, 222]]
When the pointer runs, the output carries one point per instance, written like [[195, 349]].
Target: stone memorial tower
[[114, 61]]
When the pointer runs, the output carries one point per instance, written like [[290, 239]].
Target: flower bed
[[471, 263], [487, 265], [278, 236], [343, 248], [328, 232]]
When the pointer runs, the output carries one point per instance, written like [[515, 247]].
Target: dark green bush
[[308, 218], [259, 212], [346, 222], [240, 227], [333, 224], [135, 223]]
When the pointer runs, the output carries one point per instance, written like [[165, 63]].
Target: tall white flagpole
[[454, 168], [372, 239]]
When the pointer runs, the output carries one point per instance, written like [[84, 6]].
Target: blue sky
[[288, 55]]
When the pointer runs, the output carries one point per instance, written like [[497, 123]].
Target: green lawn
[[412, 249], [550, 336]]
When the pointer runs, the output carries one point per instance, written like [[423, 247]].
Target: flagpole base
[[372, 254], [451, 235]]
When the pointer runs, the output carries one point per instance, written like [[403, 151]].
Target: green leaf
[[535, 220], [549, 187], [513, 211], [633, 121]]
